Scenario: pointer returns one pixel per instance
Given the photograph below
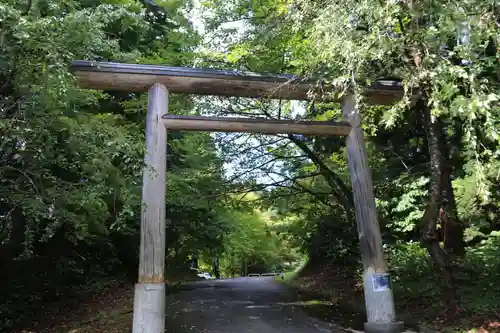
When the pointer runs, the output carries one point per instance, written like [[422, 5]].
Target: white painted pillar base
[[149, 308], [380, 312]]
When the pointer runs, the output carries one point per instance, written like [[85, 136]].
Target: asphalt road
[[242, 305]]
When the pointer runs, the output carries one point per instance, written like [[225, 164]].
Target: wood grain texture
[[247, 125], [138, 78], [149, 308], [362, 187], [152, 248]]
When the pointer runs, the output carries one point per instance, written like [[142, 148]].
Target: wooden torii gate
[[149, 297]]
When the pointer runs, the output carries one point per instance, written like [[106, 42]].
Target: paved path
[[242, 305]]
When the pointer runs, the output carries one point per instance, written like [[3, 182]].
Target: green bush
[[412, 271], [477, 276], [479, 288]]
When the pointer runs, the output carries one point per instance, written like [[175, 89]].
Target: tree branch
[[340, 190]]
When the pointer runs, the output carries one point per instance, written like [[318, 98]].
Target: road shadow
[[320, 307]]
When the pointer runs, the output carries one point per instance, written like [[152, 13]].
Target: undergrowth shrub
[[412, 271], [477, 276], [479, 280]]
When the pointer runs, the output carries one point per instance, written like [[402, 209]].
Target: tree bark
[[444, 210], [429, 232], [15, 245], [452, 227], [215, 267]]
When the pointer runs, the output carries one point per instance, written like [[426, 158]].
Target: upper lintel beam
[[183, 80]]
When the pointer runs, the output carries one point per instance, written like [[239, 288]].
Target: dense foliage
[[434, 155], [71, 159]]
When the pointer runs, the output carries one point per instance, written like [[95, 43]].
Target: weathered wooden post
[[149, 297], [381, 316]]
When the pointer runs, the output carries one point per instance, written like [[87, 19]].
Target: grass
[[286, 277]]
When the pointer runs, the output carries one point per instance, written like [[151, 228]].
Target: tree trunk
[[452, 227], [215, 267], [17, 233], [429, 238], [445, 212]]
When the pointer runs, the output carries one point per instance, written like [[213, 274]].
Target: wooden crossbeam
[[251, 125], [205, 81]]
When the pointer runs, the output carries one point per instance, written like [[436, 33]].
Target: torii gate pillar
[[149, 296], [379, 301]]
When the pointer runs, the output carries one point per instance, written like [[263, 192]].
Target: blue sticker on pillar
[[381, 282]]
